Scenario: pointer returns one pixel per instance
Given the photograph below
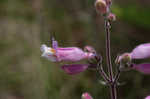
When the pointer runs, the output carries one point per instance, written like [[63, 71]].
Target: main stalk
[[112, 84]]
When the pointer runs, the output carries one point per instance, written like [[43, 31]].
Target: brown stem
[[117, 76], [108, 55], [113, 91], [112, 84], [103, 74]]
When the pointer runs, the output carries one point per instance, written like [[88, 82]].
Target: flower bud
[[124, 58], [101, 6], [111, 17], [89, 49], [86, 96]]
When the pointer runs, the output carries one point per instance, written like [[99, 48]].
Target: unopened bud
[[111, 17], [124, 58], [89, 49], [86, 96], [101, 6]]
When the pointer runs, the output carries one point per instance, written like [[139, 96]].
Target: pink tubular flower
[[86, 96], [57, 54], [143, 68], [140, 52], [148, 97]]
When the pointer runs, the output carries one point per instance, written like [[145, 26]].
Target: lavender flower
[[140, 52], [57, 54], [148, 97], [86, 96]]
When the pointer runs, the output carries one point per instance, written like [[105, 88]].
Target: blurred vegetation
[[26, 24]]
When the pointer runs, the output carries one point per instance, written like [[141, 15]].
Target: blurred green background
[[26, 24]]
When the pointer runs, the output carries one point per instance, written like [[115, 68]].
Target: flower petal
[[48, 53], [143, 68], [73, 54], [43, 48], [74, 68], [141, 51], [86, 96], [65, 54], [148, 97]]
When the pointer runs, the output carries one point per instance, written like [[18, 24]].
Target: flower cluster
[[140, 52], [73, 54]]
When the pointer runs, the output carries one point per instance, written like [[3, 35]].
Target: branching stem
[[112, 84], [102, 73]]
